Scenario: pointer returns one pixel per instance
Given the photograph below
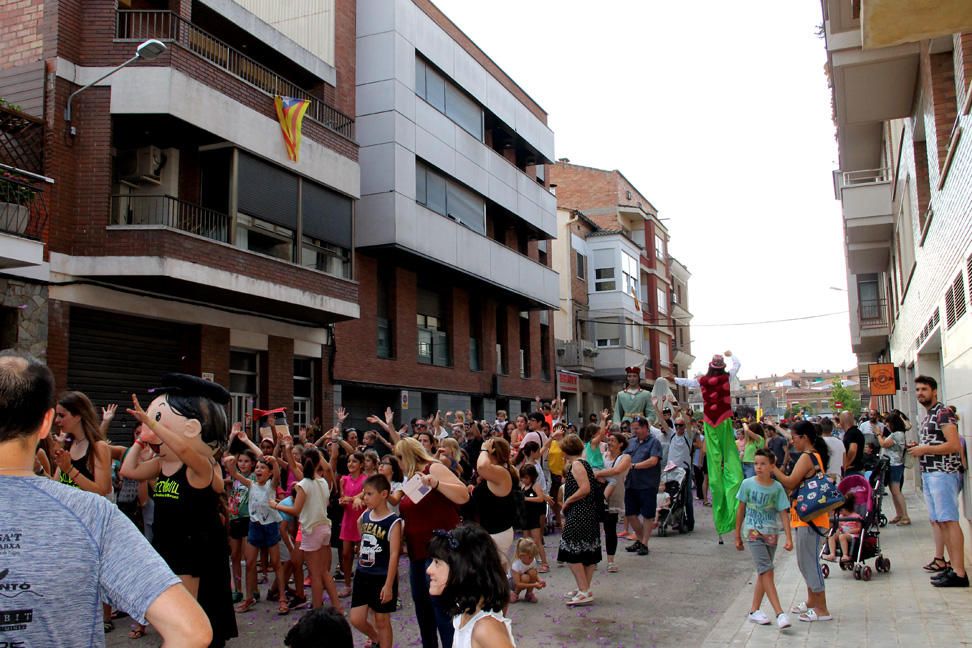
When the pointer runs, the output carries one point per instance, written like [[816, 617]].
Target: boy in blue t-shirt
[[375, 584], [762, 515]]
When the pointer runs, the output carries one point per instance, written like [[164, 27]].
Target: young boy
[[762, 514], [376, 579]]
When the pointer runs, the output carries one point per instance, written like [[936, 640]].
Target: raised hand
[[108, 413], [389, 415], [342, 414]]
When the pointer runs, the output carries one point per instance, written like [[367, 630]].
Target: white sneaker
[[759, 617], [782, 621]]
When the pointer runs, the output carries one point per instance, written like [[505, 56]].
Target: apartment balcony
[[169, 27], [611, 361], [890, 22], [870, 85], [682, 356], [868, 223], [576, 355], [180, 250], [869, 329], [23, 217]]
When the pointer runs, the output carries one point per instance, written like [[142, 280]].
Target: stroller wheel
[[857, 572], [866, 573], [826, 570], [883, 521], [663, 529]]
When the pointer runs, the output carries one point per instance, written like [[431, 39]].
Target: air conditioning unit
[[141, 166]]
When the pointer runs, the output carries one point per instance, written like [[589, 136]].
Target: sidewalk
[[896, 609]]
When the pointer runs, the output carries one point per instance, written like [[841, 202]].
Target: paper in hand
[[415, 489]]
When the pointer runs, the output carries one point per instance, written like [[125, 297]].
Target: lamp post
[[146, 51]]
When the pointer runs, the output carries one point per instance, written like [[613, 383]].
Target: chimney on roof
[[564, 160]]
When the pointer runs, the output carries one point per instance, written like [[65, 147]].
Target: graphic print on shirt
[[10, 541], [372, 537], [931, 434], [13, 586], [166, 488]]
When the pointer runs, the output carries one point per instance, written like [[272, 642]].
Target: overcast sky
[[719, 113]]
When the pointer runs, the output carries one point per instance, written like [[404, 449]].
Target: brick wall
[[480, 57], [280, 372], [356, 358], [582, 188], [21, 32], [938, 79], [963, 64], [214, 352]]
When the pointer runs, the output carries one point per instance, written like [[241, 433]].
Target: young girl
[[762, 514], [369, 465], [351, 485], [310, 507], [467, 574], [264, 531], [523, 572], [848, 528], [536, 511], [391, 470], [294, 567], [239, 525]]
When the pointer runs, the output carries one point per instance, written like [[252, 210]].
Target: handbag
[[817, 495]]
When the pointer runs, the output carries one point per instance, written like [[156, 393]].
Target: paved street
[[674, 596], [691, 591]]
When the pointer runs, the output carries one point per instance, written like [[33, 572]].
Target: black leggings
[[610, 522]]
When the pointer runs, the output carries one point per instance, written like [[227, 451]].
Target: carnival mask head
[[191, 406]]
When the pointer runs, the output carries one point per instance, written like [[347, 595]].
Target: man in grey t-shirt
[[64, 551]]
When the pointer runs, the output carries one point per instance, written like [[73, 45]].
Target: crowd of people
[[223, 509]]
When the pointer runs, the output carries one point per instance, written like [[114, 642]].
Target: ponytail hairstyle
[[312, 457], [500, 451], [809, 430], [757, 428], [526, 449]]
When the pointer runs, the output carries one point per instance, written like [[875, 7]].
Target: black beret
[[186, 385]]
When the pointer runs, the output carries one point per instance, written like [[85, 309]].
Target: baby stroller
[[673, 517], [867, 544]]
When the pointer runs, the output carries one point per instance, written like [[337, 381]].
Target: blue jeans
[[429, 614]]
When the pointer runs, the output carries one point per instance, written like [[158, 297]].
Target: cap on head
[[718, 362], [633, 370]]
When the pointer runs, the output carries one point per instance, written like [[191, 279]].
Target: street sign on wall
[[881, 379], [568, 382]]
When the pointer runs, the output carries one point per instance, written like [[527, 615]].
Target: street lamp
[[147, 51]]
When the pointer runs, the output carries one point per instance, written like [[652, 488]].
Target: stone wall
[[30, 302]]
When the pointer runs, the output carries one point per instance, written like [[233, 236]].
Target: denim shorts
[[263, 535], [896, 474], [941, 495]]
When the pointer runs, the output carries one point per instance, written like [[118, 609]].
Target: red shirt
[[435, 511]]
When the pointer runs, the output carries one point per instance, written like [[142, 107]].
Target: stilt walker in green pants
[[722, 456]]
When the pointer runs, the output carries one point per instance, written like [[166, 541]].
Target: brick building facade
[[452, 227], [177, 233]]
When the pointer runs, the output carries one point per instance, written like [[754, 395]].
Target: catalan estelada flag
[[290, 114]]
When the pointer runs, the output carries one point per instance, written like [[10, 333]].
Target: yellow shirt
[[555, 459]]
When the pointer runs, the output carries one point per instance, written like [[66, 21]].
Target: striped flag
[[290, 114]]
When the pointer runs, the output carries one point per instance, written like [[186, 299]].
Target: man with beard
[[724, 465]]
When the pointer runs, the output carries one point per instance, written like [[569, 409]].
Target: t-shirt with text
[[763, 507], [62, 552]]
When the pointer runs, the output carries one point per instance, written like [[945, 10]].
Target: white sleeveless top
[[316, 496], [463, 636]]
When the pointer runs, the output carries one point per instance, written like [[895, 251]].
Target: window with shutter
[[958, 295], [949, 308]]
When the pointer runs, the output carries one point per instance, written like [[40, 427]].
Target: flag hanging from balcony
[[290, 114]]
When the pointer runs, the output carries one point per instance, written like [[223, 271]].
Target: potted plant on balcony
[[15, 199]]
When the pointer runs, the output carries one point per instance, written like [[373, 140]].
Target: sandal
[[245, 605], [345, 593], [612, 568], [894, 520], [937, 565], [108, 626], [799, 608], [544, 568], [904, 522], [811, 616], [582, 598], [571, 594], [137, 632], [283, 608]]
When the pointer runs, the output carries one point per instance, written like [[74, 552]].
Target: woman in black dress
[[580, 544]]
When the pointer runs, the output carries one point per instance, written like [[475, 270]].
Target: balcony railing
[[138, 25], [576, 354], [166, 211], [873, 313], [23, 210]]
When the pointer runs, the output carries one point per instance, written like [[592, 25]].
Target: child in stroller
[[860, 523], [670, 510]]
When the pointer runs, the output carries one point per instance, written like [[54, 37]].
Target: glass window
[[464, 111], [263, 237], [604, 278], [303, 393], [663, 356], [326, 258], [449, 198], [662, 301], [433, 340], [581, 266], [659, 247], [607, 334], [244, 379], [629, 274]]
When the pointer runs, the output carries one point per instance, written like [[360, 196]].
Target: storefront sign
[[881, 379], [568, 382]]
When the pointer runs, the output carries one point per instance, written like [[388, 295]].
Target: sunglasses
[[421, 425]]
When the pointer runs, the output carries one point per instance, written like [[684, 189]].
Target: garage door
[[110, 356]]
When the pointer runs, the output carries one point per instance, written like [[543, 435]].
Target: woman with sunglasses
[[437, 509], [812, 459]]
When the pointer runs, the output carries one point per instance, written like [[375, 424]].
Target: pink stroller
[[867, 544]]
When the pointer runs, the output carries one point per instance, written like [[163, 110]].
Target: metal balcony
[[132, 25], [167, 211]]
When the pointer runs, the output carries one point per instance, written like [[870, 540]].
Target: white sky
[[719, 113]]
